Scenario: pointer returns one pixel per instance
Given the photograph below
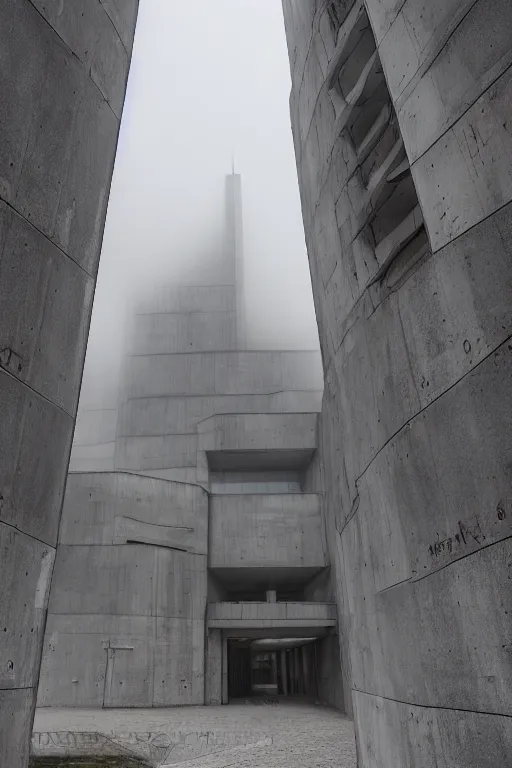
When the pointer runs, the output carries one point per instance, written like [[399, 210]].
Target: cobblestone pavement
[[284, 735]]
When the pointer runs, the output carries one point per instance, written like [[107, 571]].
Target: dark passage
[[271, 668]]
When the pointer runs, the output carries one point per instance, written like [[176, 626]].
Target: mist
[[208, 90]]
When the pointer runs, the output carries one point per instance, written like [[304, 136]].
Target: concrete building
[[192, 565], [62, 84], [401, 115], [214, 535]]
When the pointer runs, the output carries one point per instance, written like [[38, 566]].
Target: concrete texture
[[279, 736], [59, 118], [264, 615], [126, 616], [266, 531], [405, 189], [147, 555], [186, 361]]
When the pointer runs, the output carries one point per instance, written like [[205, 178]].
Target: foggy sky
[[209, 82]]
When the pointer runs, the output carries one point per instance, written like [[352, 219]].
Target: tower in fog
[[187, 538]]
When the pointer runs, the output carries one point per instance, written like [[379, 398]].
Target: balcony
[[271, 616], [258, 441]]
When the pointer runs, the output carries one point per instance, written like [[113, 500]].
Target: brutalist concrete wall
[[416, 424], [62, 82], [127, 607], [183, 367], [329, 678]]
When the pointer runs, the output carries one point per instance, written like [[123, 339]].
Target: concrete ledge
[[272, 440], [230, 615]]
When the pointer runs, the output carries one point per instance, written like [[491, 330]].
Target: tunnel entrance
[[272, 668]]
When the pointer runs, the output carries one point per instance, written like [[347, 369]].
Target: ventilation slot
[[381, 190]]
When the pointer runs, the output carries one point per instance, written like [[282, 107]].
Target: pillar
[[305, 668], [274, 667], [284, 678], [213, 682], [298, 670], [62, 99], [225, 695]]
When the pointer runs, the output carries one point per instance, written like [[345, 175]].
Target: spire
[[235, 249]]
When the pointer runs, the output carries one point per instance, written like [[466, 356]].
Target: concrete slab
[[35, 435], [475, 55], [25, 573], [94, 41], [156, 452], [258, 432], [46, 346], [98, 506], [123, 16], [402, 735], [266, 531], [16, 709], [469, 164], [159, 333]]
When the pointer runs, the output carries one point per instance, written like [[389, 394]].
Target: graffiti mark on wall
[[465, 534], [469, 537]]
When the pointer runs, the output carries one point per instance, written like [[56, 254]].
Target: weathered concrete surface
[[255, 432], [94, 440], [280, 736], [268, 615], [469, 739], [59, 118], [126, 616], [186, 362], [266, 531], [414, 434], [16, 715]]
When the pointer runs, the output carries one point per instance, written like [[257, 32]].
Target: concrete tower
[[193, 537], [235, 249], [401, 122]]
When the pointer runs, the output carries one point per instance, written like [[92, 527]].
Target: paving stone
[[284, 735]]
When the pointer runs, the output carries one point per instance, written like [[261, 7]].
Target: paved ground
[[282, 735]]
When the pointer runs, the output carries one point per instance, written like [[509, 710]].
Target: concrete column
[[213, 670], [271, 595], [225, 697], [274, 667], [61, 108], [298, 671], [305, 667], [291, 666], [284, 679]]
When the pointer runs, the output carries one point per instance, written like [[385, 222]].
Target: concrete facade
[[126, 611], [401, 121], [186, 533], [63, 76]]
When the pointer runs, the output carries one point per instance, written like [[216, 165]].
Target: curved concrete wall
[[416, 417], [63, 75], [128, 600]]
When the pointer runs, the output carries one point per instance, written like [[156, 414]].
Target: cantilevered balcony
[[258, 441]]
